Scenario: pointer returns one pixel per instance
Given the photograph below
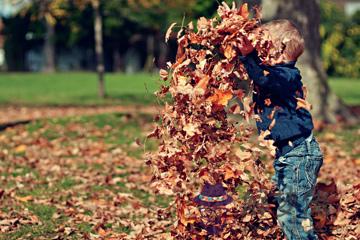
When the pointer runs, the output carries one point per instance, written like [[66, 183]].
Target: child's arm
[[274, 78], [254, 69]]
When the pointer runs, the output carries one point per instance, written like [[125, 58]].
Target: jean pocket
[[315, 149], [312, 168], [306, 174]]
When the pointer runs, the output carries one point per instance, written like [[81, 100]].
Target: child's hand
[[245, 46]]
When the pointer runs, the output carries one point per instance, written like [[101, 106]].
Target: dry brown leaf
[[168, 32]]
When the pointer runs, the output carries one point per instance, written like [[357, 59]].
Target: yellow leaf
[[20, 148], [229, 52], [182, 80], [24, 199]]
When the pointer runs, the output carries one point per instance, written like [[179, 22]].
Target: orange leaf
[[24, 199], [266, 73], [102, 232], [221, 97], [244, 10], [20, 148], [181, 214], [229, 173], [229, 52], [302, 103], [203, 83]]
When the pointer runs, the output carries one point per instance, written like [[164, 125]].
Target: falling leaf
[[247, 218], [203, 24], [163, 74], [229, 52], [272, 124], [244, 11], [267, 102], [221, 97], [168, 32], [301, 103], [191, 129], [201, 86], [243, 155]]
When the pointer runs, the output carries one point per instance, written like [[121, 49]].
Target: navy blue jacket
[[275, 91]]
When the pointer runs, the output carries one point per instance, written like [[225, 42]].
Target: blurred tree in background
[[133, 31], [340, 35], [48, 12]]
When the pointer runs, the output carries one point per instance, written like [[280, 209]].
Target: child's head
[[285, 36]]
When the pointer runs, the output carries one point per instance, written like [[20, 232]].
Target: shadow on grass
[[13, 124]]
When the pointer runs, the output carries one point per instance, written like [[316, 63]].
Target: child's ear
[[279, 60]]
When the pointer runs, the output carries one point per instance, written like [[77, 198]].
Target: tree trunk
[[99, 47], [49, 47], [306, 16], [163, 52], [117, 60], [2, 42], [150, 46]]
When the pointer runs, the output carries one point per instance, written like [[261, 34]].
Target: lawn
[[81, 89], [75, 89], [348, 89], [85, 177], [78, 178]]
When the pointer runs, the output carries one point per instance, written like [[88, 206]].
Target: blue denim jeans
[[295, 177]]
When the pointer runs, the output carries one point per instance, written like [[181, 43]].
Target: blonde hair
[[287, 37]]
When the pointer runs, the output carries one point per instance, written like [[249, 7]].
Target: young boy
[[277, 91]]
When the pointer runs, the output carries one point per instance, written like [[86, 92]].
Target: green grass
[[44, 212], [124, 129], [348, 89], [76, 88], [31, 232], [80, 88]]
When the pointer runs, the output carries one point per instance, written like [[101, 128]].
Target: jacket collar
[[287, 64]]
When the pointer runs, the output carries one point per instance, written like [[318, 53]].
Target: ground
[[81, 173]]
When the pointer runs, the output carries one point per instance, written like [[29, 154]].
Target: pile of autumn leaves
[[198, 141]]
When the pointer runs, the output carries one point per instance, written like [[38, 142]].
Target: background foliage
[[124, 27], [340, 41]]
